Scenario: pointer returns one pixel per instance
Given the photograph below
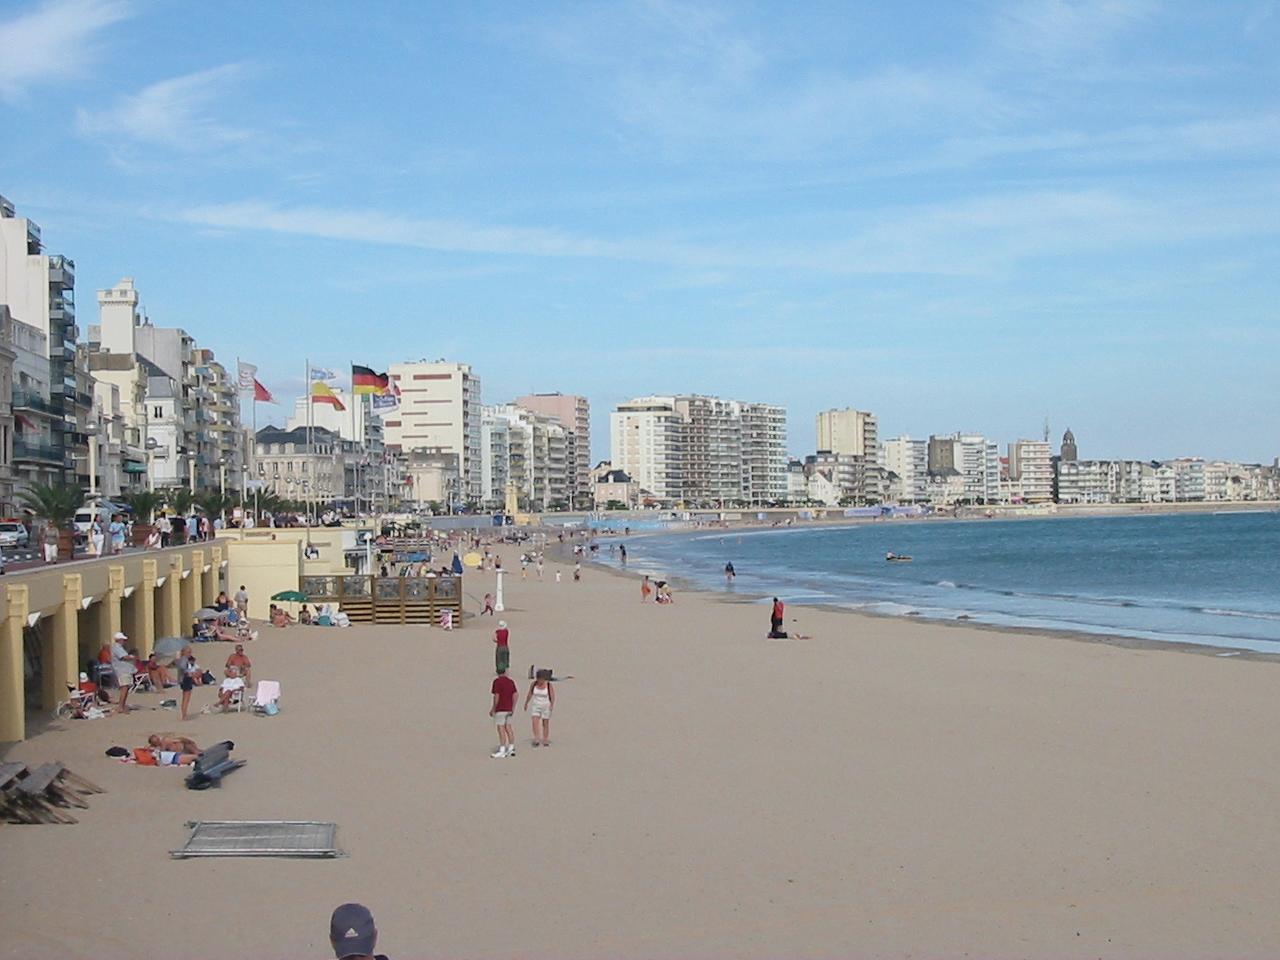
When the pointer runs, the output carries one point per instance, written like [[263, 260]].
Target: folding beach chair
[[214, 764], [266, 698]]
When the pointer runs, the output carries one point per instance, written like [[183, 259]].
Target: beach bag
[[271, 709], [208, 678]]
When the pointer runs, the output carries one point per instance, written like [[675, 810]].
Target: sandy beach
[[884, 789]]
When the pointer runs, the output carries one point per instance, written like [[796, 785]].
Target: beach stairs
[[359, 609], [42, 795]]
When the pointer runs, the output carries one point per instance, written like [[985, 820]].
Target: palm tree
[[56, 504], [214, 503], [144, 504], [180, 499]]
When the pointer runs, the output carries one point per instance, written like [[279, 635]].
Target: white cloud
[[175, 113], [53, 42], [1059, 29]]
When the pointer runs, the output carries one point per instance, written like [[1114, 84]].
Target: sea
[[1210, 578]]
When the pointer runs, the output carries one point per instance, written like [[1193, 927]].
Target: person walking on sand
[[577, 572], [504, 704], [539, 566], [242, 601], [645, 589], [775, 616], [501, 651], [543, 696], [488, 605]]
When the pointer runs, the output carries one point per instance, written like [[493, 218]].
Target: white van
[[104, 509]]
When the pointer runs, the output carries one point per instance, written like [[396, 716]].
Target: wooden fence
[[368, 599]]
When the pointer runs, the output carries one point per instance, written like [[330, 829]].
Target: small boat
[[897, 558]]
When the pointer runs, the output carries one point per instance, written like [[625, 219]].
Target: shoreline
[[1120, 640]]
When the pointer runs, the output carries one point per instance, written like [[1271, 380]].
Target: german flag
[[365, 380]]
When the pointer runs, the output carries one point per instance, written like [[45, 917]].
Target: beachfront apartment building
[[906, 465], [529, 451], [692, 448], [370, 484], [1031, 471], [974, 458], [573, 413], [181, 406], [39, 290], [848, 431], [439, 411]]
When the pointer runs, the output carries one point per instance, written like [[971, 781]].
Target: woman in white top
[[543, 697], [96, 538]]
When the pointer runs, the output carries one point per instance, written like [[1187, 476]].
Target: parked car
[[13, 534]]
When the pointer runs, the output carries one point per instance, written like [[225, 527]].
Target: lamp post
[[151, 445], [191, 470], [91, 431], [222, 489], [497, 593]]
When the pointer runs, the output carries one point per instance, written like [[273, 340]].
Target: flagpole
[[310, 445], [244, 469]]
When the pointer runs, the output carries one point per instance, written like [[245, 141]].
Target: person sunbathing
[[304, 615], [172, 742], [280, 617], [158, 673]]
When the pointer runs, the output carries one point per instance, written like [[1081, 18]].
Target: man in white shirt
[[230, 687], [124, 666]]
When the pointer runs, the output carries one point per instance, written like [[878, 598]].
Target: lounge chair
[[266, 697], [214, 764]]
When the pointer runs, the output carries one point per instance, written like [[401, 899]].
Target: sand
[[886, 789]]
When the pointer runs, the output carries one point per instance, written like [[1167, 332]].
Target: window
[[158, 413]]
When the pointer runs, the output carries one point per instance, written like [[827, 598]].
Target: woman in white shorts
[[542, 695]]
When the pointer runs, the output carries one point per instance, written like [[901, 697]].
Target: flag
[[261, 393], [247, 373], [321, 392], [321, 373], [365, 380], [384, 401]]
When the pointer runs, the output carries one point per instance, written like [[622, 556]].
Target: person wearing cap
[[501, 652], [124, 666], [352, 933]]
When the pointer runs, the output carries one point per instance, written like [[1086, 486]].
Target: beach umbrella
[[170, 646], [472, 559], [291, 596], [457, 564], [207, 613]]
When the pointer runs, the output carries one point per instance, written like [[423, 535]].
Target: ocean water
[[1207, 578]]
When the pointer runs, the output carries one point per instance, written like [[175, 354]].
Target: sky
[[961, 216]]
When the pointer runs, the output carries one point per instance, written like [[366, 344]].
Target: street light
[[91, 431], [151, 445], [222, 489]]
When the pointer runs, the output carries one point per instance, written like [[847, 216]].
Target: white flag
[[247, 372], [323, 373]]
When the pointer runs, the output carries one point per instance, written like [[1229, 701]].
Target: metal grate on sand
[[259, 838]]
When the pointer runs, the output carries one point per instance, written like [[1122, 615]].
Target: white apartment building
[[171, 391], [1031, 470], [694, 448], [573, 413], [439, 410], [531, 452], [39, 290], [908, 461], [764, 447]]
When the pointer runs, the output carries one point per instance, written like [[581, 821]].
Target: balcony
[[33, 402], [39, 453], [62, 271]]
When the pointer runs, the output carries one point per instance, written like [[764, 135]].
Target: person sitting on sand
[[233, 684], [280, 617], [304, 616], [664, 593], [223, 603], [157, 673], [241, 663]]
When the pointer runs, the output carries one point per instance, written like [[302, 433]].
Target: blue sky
[[962, 216]]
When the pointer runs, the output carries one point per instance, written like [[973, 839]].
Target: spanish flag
[[321, 392], [365, 380]]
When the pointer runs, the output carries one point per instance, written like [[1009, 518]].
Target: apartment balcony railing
[[39, 452], [25, 400]]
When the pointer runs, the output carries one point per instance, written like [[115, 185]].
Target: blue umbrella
[[457, 564]]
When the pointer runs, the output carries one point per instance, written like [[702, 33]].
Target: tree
[[54, 503], [213, 503], [180, 500], [144, 504]]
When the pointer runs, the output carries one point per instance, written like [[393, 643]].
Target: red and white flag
[[261, 393]]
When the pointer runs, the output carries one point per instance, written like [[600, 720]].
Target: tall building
[[439, 411], [529, 451], [907, 462], [1031, 470], [692, 448], [848, 431], [171, 391], [971, 457], [39, 290], [573, 413]]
